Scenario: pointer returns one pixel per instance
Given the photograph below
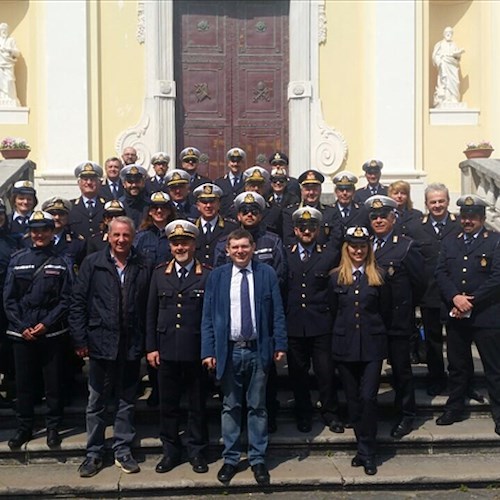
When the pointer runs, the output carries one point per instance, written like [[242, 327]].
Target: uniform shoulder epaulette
[[220, 221], [453, 217], [425, 218], [198, 267], [356, 205], [102, 200], [152, 178], [293, 248], [319, 248], [460, 235], [68, 237], [169, 267], [105, 237], [486, 234], [25, 236], [395, 238], [80, 237], [76, 201]]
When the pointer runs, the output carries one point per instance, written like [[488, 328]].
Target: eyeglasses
[[249, 210], [278, 180], [307, 226]]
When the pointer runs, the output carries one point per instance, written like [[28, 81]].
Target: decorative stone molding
[[136, 137], [322, 27], [299, 89], [141, 23]]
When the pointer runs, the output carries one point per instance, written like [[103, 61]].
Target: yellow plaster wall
[[121, 78]]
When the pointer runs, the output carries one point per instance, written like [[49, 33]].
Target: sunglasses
[[191, 160], [375, 216], [249, 210], [307, 226], [278, 180]]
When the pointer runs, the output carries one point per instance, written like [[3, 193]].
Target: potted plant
[[482, 149], [14, 147]]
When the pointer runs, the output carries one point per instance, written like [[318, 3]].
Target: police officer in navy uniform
[[347, 211], [430, 232], [66, 242], [373, 172], [173, 345], [468, 276], [87, 211], [23, 200], [36, 299], [190, 160], [330, 231], [178, 186], [279, 159], [232, 182], [135, 199], [211, 224], [160, 162], [112, 209], [309, 321], [280, 195], [403, 263]]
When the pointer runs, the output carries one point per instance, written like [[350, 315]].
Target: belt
[[244, 344]]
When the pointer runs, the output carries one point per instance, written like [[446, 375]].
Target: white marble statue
[[8, 57], [446, 57]]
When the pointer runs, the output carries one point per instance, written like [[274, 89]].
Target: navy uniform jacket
[[196, 180], [216, 319], [362, 194], [358, 216], [15, 227], [186, 210], [136, 207], [361, 317], [98, 242], [307, 303], [153, 186], [81, 222], [173, 325], [103, 312], [105, 191], [472, 269], [9, 243], [429, 243], [403, 264], [37, 290], [229, 191], [153, 244], [268, 249], [330, 234], [287, 199], [406, 219], [206, 244], [72, 246]]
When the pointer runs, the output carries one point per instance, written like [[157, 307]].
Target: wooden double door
[[232, 72]]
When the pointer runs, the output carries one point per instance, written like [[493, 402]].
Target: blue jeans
[[244, 377], [118, 379]]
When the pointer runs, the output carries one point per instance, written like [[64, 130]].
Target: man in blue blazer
[[242, 330]]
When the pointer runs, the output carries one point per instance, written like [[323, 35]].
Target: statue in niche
[[8, 57], [446, 57]]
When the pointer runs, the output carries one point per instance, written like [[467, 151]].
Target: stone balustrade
[[482, 177]]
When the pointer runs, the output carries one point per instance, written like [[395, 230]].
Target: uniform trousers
[[176, 378], [461, 334], [361, 380], [301, 351], [431, 319], [402, 375], [244, 379], [28, 357], [119, 379]]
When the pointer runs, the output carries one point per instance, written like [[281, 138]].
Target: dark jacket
[[105, 191], [37, 290], [229, 193], [81, 222], [362, 194], [136, 207], [307, 303], [174, 313], [99, 316], [472, 269], [361, 315], [153, 244]]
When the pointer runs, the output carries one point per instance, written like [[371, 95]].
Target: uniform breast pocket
[[196, 294], [321, 279], [483, 263], [164, 296]]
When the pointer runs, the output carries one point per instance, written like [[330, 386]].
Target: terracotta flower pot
[[478, 153], [15, 154]]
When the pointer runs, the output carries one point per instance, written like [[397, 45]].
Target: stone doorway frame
[[312, 142]]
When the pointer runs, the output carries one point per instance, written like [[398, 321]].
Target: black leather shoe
[[356, 461], [53, 438], [261, 474], [304, 424], [19, 438], [199, 464], [449, 417], [370, 466], [226, 473], [336, 426], [166, 464], [497, 428], [348, 425], [402, 428], [476, 396]]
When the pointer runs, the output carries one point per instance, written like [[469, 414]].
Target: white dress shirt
[[235, 303]]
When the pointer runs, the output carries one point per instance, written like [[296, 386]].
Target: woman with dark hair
[[361, 306], [399, 191], [23, 200], [150, 239]]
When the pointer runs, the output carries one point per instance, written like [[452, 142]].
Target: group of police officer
[[447, 265]]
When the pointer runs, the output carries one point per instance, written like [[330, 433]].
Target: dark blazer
[[472, 269], [429, 243], [362, 194], [358, 216], [72, 246], [174, 313], [307, 303], [361, 316], [98, 317], [287, 199], [80, 222], [206, 244], [136, 207], [406, 219], [270, 318], [153, 244], [403, 263], [196, 181], [153, 186], [229, 191], [105, 191]]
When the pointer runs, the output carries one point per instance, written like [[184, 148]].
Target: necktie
[[114, 189], [357, 275], [90, 207], [182, 274], [345, 212], [379, 243], [246, 311], [468, 239], [208, 228], [305, 255], [373, 191], [439, 228], [22, 220]]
